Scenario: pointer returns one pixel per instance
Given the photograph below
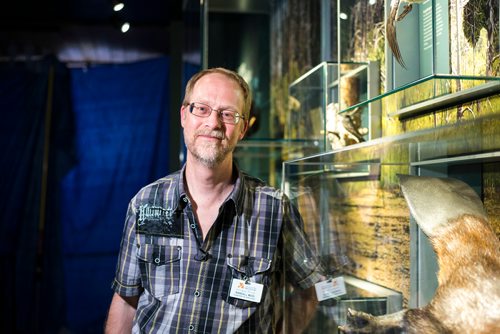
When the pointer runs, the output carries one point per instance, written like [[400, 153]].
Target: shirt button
[[229, 256], [197, 293], [157, 260], [193, 226], [191, 327]]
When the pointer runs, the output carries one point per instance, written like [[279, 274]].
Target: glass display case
[[316, 102], [359, 224]]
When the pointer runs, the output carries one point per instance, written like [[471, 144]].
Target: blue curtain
[[36, 137], [76, 146], [121, 118]]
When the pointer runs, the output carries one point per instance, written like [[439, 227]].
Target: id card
[[330, 288], [245, 290]]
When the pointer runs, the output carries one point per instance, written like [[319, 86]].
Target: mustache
[[211, 133]]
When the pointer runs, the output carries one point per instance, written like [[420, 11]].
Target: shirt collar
[[236, 196]]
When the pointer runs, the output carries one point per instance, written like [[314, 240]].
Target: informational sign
[[434, 38]]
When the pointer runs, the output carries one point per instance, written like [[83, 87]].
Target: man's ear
[[183, 112], [244, 130]]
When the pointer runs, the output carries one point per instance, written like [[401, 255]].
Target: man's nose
[[214, 119]]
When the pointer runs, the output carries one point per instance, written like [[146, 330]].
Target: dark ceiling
[[89, 30], [52, 14]]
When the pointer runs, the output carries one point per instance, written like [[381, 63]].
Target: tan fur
[[467, 299]]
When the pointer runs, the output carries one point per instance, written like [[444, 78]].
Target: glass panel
[[308, 97], [315, 104], [262, 158], [360, 35]]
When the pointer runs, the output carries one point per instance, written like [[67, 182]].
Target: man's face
[[209, 140]]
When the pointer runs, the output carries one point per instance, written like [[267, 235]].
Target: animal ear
[[433, 201]]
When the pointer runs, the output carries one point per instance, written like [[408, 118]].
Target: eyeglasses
[[204, 110]]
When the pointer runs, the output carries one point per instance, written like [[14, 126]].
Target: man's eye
[[203, 110], [227, 114]]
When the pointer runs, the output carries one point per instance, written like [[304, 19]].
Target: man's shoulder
[[161, 184]]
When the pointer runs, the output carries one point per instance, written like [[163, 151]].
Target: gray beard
[[209, 156], [210, 161]]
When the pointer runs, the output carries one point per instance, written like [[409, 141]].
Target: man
[[203, 248]]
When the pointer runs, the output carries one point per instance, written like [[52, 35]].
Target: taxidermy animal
[[343, 129], [467, 299], [390, 28]]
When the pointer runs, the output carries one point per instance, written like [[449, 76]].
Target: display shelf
[[430, 94]]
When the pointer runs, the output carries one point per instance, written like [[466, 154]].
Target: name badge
[[330, 288], [245, 290]]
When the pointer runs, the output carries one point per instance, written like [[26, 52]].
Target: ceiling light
[[125, 27], [118, 5]]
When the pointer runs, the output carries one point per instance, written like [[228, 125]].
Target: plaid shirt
[[184, 281]]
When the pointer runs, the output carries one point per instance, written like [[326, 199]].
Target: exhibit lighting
[[343, 16], [125, 27], [372, 2], [118, 5]]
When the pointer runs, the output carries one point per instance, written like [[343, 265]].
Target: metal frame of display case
[[413, 127]]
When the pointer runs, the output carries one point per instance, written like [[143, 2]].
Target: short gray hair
[[245, 89]]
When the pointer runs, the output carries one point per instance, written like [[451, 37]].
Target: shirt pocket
[[160, 268], [250, 269]]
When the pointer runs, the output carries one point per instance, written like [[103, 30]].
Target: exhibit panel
[[417, 39], [359, 224]]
